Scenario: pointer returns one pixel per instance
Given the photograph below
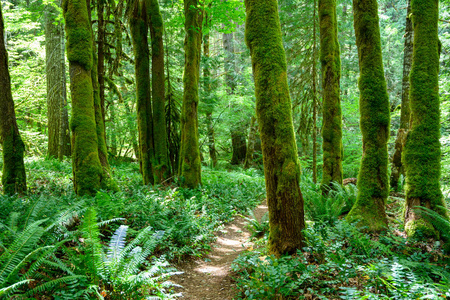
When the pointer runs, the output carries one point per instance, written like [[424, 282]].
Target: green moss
[[138, 30], [373, 181], [331, 72], [14, 176], [78, 32], [190, 164], [161, 170], [274, 113], [422, 151], [420, 229]]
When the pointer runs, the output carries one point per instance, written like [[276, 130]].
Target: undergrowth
[[114, 245]]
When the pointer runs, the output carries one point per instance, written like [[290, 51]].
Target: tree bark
[[331, 73], [190, 165], [373, 181], [14, 176], [274, 113], [138, 30], [251, 144], [314, 90], [397, 167], [87, 169], [422, 152], [58, 119], [161, 169]]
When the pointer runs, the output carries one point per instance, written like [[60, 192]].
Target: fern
[[117, 243], [440, 222], [12, 288], [12, 258]]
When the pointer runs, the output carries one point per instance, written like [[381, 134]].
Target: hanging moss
[[331, 73], [373, 181], [161, 170], [274, 113], [190, 167], [422, 151], [87, 170], [138, 30]]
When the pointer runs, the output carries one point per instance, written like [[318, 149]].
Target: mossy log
[[274, 114]]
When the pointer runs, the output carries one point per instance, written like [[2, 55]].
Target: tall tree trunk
[[331, 73], [237, 132], [373, 181], [190, 165], [397, 167], [138, 30], [58, 119], [87, 169], [422, 152], [274, 112], [251, 144], [101, 58], [314, 134], [14, 176], [209, 95], [161, 169]]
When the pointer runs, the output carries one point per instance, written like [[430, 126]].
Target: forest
[[224, 149]]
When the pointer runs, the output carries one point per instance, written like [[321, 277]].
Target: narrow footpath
[[209, 277]]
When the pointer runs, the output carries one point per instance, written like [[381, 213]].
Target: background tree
[[138, 32], [13, 177], [274, 112], [422, 152], [190, 167], [331, 73], [57, 113], [397, 166], [373, 181]]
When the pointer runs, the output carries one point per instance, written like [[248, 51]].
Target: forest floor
[[210, 277]]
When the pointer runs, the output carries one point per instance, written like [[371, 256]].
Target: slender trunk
[[373, 181], [314, 134], [14, 176], [331, 73], [238, 144], [274, 113], [87, 170], [161, 169], [190, 165], [422, 152], [209, 95], [138, 30], [251, 144], [397, 167], [58, 121], [101, 58]]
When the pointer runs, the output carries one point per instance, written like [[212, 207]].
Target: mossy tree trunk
[[331, 73], [422, 152], [87, 169], [14, 176], [238, 144], [397, 166], [190, 166], [209, 95], [138, 30], [274, 113], [314, 98], [58, 119], [373, 181], [161, 169]]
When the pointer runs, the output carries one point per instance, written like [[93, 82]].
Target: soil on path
[[209, 277]]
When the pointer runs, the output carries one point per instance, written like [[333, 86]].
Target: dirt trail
[[208, 278]]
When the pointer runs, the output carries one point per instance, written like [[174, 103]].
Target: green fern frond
[[48, 286], [22, 245], [117, 243], [4, 292]]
